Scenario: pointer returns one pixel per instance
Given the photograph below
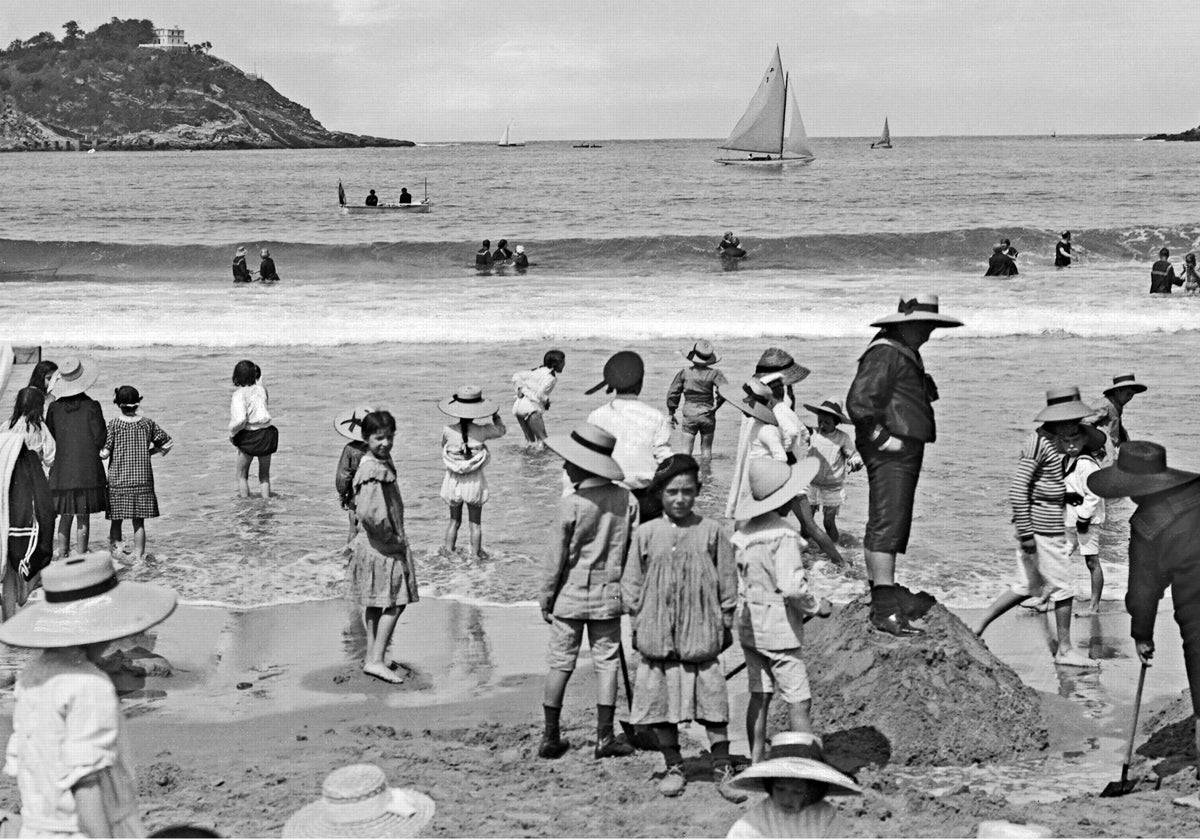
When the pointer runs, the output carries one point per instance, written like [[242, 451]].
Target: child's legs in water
[[115, 534], [452, 526], [829, 515], [475, 526], [139, 538], [241, 471], [264, 476], [84, 521], [1097, 573], [380, 623], [706, 442]]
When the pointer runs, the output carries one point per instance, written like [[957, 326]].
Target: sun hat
[[831, 407], [918, 307], [1063, 404], [240, 252], [755, 401], [467, 403], [264, 252], [1125, 380], [357, 802], [85, 603], [126, 395], [773, 484], [520, 249], [796, 755], [622, 371], [777, 360], [76, 375], [348, 424], [590, 448], [703, 353], [676, 464], [1141, 469]]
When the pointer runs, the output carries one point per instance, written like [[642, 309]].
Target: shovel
[[639, 735], [1125, 785]]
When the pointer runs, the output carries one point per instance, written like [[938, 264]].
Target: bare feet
[[381, 672], [1085, 612]]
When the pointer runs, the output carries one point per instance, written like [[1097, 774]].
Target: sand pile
[[1169, 734]]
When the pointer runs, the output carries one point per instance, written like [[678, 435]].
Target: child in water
[[1085, 510], [465, 454], [28, 421], [533, 395], [1191, 280], [699, 388], [835, 450], [350, 426], [250, 428], [132, 439]]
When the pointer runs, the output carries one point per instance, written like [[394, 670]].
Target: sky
[[446, 70]]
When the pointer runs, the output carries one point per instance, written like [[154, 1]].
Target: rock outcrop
[[1192, 134]]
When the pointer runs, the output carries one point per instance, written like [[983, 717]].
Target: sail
[[885, 139], [504, 138], [341, 194], [761, 128], [797, 142]]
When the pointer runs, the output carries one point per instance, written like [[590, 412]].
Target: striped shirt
[[1036, 492]]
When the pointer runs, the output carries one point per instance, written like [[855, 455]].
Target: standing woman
[[1062, 251], [77, 477]]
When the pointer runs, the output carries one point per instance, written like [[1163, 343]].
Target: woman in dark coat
[[77, 477]]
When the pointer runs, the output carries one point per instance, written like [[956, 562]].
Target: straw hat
[[796, 755], [755, 401], [520, 249], [467, 403], [773, 484], [590, 448], [777, 360], [264, 253], [348, 424], [702, 353], [77, 374], [240, 252], [1141, 469], [1063, 404], [357, 802], [1126, 380], [85, 603], [918, 308], [831, 407], [621, 372]]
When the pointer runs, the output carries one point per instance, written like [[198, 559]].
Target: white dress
[[464, 481]]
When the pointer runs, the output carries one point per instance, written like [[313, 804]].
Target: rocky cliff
[[1192, 134]]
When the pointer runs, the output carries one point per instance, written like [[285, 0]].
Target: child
[[796, 780], [774, 600], [465, 454], [1036, 495], [1191, 280], [1084, 509], [680, 586], [68, 750], [28, 420], [250, 428], [533, 395], [350, 426], [132, 439], [379, 577], [698, 386], [835, 450], [581, 583], [77, 477]]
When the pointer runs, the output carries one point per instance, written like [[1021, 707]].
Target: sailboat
[[505, 139], [885, 139], [761, 130]]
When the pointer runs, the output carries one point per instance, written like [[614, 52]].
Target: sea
[[390, 311]]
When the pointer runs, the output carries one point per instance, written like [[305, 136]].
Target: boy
[[1085, 509], [581, 585], [1110, 416], [698, 389], [836, 453], [1036, 495]]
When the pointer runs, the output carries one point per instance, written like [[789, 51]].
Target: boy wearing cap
[[835, 451], [581, 582]]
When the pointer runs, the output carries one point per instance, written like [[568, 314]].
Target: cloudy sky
[[436, 70]]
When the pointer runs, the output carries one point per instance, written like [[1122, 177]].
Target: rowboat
[[423, 206]]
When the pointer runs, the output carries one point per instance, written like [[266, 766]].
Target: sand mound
[[1170, 745], [941, 698]]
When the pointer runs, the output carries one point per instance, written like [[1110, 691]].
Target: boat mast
[[783, 113]]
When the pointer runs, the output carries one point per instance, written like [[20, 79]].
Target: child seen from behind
[[250, 428], [533, 389], [465, 454], [350, 426], [132, 439]]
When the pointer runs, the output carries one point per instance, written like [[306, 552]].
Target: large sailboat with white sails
[[762, 130]]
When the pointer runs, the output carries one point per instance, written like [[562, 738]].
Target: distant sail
[[506, 140], [797, 142], [341, 194], [761, 128], [885, 139]]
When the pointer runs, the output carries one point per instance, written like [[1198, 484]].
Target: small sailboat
[[762, 129], [885, 139], [506, 140]]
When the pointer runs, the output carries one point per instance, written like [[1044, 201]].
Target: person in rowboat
[[372, 199], [405, 196]]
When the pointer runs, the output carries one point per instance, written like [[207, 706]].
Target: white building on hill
[[167, 39]]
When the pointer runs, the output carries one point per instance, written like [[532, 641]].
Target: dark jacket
[[241, 274], [266, 269], [77, 424], [892, 390], [30, 517], [1001, 264], [1162, 278], [1164, 545]]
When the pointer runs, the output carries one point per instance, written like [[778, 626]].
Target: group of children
[[485, 257]]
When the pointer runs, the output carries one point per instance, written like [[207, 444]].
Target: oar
[[1125, 785]]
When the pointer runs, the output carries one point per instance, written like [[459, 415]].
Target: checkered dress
[[130, 476]]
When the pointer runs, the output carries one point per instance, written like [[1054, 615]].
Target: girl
[[1191, 280], [28, 420], [350, 426], [680, 586], [77, 478], [533, 395], [465, 454], [131, 440], [250, 428], [698, 388], [379, 576], [45, 376]]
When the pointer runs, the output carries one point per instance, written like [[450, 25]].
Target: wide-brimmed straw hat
[[622, 371], [590, 448], [773, 484], [1064, 404], [85, 603], [702, 353], [240, 252], [357, 802], [1125, 380], [76, 375], [348, 423], [796, 755], [918, 308], [831, 407], [467, 403], [780, 361], [754, 401], [1141, 469]]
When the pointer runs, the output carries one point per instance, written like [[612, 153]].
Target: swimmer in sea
[[730, 246]]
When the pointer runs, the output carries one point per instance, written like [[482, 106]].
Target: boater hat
[[590, 448], [77, 374], [467, 403], [754, 401], [357, 802], [702, 353], [348, 424], [621, 372], [773, 484], [240, 252], [1141, 469], [831, 407], [918, 307], [85, 603], [1126, 380], [1063, 404], [777, 360], [796, 755]]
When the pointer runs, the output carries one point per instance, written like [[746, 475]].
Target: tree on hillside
[[124, 33], [74, 34]]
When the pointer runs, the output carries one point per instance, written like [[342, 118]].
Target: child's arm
[[373, 517], [110, 440], [853, 460], [554, 572], [96, 426], [790, 578], [772, 439], [633, 576], [237, 412], [727, 577], [661, 444], [674, 395], [89, 806], [1085, 510], [160, 441], [1019, 495], [342, 477], [497, 429]]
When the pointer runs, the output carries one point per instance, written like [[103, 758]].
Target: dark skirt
[[85, 500], [257, 442]]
